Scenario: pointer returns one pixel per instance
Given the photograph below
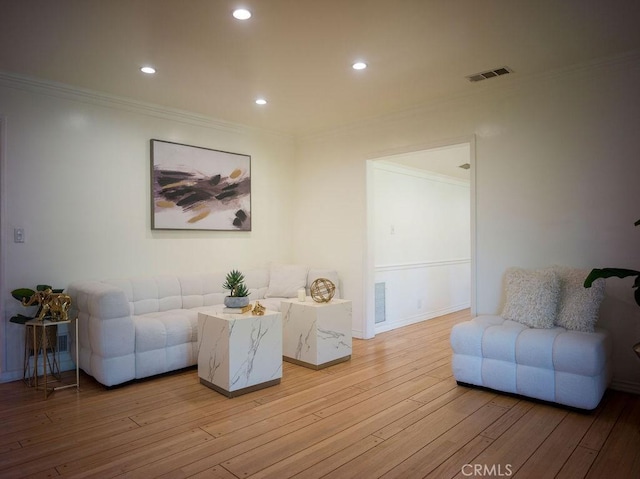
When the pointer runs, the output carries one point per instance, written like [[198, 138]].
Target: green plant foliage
[[241, 291], [605, 273], [22, 294], [20, 318], [235, 284]]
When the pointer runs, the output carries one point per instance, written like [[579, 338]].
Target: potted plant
[[238, 292], [597, 273]]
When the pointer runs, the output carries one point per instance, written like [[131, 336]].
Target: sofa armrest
[[98, 299], [106, 331]]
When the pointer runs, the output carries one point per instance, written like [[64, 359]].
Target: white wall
[[557, 166], [77, 178], [421, 242], [419, 216]]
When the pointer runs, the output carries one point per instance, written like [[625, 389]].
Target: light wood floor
[[393, 411]]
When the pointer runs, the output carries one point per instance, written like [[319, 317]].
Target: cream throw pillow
[[579, 306], [532, 297], [285, 280]]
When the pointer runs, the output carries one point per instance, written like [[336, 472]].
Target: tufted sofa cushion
[[165, 341], [202, 290], [554, 364], [149, 295]]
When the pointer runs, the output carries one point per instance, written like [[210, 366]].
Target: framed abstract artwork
[[194, 188]]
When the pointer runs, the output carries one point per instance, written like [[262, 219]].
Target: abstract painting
[[194, 188]]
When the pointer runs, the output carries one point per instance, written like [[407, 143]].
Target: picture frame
[[196, 188]]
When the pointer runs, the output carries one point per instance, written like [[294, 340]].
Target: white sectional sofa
[[135, 328], [544, 345]]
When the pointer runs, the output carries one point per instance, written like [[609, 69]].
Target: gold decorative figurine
[[258, 309], [54, 305]]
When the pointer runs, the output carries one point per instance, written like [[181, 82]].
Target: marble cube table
[[316, 335], [239, 353]]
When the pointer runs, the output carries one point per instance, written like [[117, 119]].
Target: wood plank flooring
[[393, 411]]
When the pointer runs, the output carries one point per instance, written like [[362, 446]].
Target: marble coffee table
[[316, 335], [239, 353]]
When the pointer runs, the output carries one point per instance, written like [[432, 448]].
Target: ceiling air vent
[[489, 74]]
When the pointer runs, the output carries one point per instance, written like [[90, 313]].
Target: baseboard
[[66, 364], [10, 376], [625, 386], [357, 333], [389, 325]]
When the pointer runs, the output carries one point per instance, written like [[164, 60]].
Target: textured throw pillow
[[578, 307], [532, 297], [285, 280]]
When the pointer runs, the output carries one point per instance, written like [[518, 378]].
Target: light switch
[[18, 235]]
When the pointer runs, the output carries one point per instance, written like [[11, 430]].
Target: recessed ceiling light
[[261, 101], [241, 14], [148, 70], [359, 66]]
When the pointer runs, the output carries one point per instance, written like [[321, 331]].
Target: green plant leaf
[[20, 319], [22, 293], [234, 280], [241, 291], [618, 273], [609, 273], [42, 287]]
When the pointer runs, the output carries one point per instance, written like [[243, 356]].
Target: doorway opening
[[420, 235]]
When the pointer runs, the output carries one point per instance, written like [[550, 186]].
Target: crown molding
[[497, 89], [405, 170], [62, 90]]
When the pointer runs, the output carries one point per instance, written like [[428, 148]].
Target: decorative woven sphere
[[322, 290]]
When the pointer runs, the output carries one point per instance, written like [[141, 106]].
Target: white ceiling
[[297, 53]]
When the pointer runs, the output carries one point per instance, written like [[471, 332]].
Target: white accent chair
[[544, 348]]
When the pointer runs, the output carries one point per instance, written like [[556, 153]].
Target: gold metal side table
[[51, 345], [49, 364]]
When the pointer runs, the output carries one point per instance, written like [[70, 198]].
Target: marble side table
[[239, 353], [316, 335]]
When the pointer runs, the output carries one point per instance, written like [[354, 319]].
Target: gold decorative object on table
[[258, 309], [322, 290], [53, 306]]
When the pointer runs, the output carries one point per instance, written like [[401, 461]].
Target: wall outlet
[[18, 235]]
